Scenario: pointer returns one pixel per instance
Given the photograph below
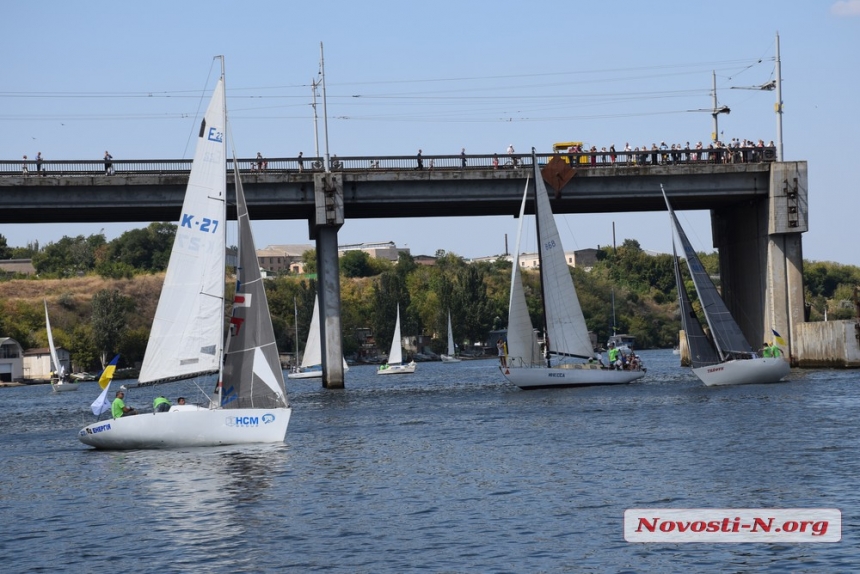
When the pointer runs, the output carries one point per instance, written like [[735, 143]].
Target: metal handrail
[[580, 160]]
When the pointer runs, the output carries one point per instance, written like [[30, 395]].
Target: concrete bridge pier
[[761, 256], [328, 218]]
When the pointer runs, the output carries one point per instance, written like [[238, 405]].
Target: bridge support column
[[788, 211], [761, 256], [328, 218]]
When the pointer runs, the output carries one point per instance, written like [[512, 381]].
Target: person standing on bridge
[[39, 163], [463, 157], [420, 161], [108, 163], [24, 169], [301, 163]]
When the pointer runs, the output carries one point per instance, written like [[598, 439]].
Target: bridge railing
[[580, 160]]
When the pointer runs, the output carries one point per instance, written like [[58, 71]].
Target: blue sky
[[82, 78]]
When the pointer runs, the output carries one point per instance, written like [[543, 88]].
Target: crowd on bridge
[[736, 151], [581, 156]]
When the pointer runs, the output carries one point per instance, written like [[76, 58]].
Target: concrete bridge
[[758, 207]]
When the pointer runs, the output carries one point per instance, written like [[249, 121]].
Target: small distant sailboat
[[311, 365], [728, 359], [395, 365], [451, 356], [59, 382]]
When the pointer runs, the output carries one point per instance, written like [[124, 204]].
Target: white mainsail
[[395, 355], [187, 333], [313, 348], [56, 367], [451, 352], [567, 333]]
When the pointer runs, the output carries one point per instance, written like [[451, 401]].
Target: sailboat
[[311, 365], [726, 358], [395, 365], [566, 335], [187, 337], [60, 382], [450, 357]]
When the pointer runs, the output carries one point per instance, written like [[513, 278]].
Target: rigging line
[[596, 71]]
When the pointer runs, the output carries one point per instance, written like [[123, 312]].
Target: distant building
[[275, 259], [583, 258], [385, 250], [425, 260], [12, 267], [37, 362], [11, 361]]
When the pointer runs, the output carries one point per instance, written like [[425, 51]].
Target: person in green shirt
[[613, 357], [767, 351], [160, 405], [118, 408]]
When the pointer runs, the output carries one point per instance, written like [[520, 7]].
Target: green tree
[[356, 264], [146, 249], [70, 256], [109, 309], [5, 250]]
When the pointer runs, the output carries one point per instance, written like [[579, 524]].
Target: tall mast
[[325, 111], [224, 267], [541, 266], [778, 106]]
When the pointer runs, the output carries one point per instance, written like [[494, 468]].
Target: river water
[[451, 469]]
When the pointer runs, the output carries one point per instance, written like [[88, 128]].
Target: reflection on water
[[449, 469]]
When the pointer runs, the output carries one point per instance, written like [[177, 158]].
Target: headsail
[[726, 334], [523, 349], [567, 333], [252, 374], [187, 333], [702, 351]]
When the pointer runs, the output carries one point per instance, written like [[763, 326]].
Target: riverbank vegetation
[[102, 296]]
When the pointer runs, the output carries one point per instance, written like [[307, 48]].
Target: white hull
[[305, 375], [579, 375], [188, 426], [744, 372], [397, 369], [449, 359], [63, 387]]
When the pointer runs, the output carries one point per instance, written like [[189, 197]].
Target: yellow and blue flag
[[107, 374], [102, 404], [779, 340]]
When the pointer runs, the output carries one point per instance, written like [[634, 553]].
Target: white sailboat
[[395, 365], [450, 357], [187, 337], [311, 365], [566, 332], [726, 358], [60, 382]]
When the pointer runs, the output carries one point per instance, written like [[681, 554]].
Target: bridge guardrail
[[594, 160]]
